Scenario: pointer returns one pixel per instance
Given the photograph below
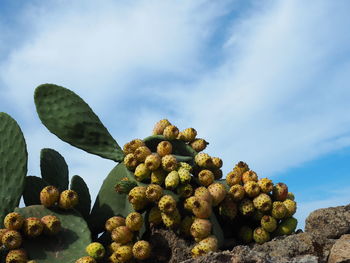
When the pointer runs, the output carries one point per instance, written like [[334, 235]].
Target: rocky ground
[[326, 239]]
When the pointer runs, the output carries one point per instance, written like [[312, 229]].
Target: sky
[[266, 82]]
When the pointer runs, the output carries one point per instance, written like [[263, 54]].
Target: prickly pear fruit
[[206, 177], [280, 192], [228, 208], [169, 163], [262, 202], [188, 204], [11, 239], [246, 207], [153, 161], [237, 192], [241, 167], [164, 148], [32, 227], [217, 174], [209, 244], [86, 259], [185, 226], [137, 197], [141, 250], [199, 145], [134, 221], [249, 176], [187, 135], [204, 194], [217, 162], [142, 173], [171, 220], [131, 146], [268, 223], [184, 175], [68, 199], [95, 250], [291, 207], [218, 192], [286, 227], [265, 185], [160, 126], [171, 132], [17, 256], [154, 192], [290, 196], [122, 234], [201, 208], [13, 221], [130, 161], [203, 160], [124, 253], [2, 232], [172, 180], [251, 188], [52, 225], [114, 222], [141, 153], [112, 247], [279, 210], [155, 217], [184, 190], [49, 195], [167, 204], [158, 176], [185, 166], [245, 234], [233, 178], [260, 235], [200, 228]]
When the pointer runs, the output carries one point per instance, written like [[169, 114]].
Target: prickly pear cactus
[[66, 115], [32, 189], [13, 164], [79, 186], [68, 245]]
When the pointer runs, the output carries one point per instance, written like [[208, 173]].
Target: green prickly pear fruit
[[184, 175], [200, 228], [164, 148], [245, 234], [11, 239], [257, 215], [199, 145], [201, 208], [114, 222], [32, 227], [185, 166], [137, 197], [265, 185], [172, 180], [170, 132], [246, 207], [158, 176], [49, 196], [218, 192], [95, 250], [155, 217], [204, 194], [131, 146], [160, 126], [280, 192], [171, 220], [252, 188], [260, 235], [141, 153], [167, 204], [17, 256], [142, 173], [203, 160], [153, 161], [130, 161], [185, 226], [290, 196], [13, 221], [217, 174], [279, 210], [268, 223], [217, 162], [169, 163], [68, 199], [184, 190], [154, 192], [233, 178], [206, 177], [188, 204], [237, 192], [262, 202], [291, 207], [249, 176], [187, 135], [228, 208], [124, 253], [122, 235], [141, 250], [52, 225], [86, 259], [286, 227], [134, 221]]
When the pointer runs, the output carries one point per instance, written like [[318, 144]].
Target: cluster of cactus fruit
[[164, 180]]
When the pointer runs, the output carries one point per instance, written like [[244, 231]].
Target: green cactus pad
[[32, 189], [70, 118], [67, 246], [54, 169], [217, 230], [13, 164], [78, 185]]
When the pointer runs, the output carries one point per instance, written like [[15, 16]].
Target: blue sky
[[266, 82]]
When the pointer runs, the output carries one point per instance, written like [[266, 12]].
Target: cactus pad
[[32, 189], [78, 185]]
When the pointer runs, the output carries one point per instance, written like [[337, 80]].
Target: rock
[[218, 257], [340, 252], [331, 222]]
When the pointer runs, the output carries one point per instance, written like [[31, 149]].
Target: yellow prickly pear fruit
[[217, 174], [95, 250], [52, 225], [2, 232], [246, 207], [201, 208], [185, 226], [141, 153], [137, 197], [114, 222], [185, 166], [172, 180], [155, 217], [187, 135], [13, 221], [141, 250], [49, 196], [122, 235], [131, 146], [130, 161], [279, 210], [199, 145], [203, 160], [290, 196], [209, 244], [158, 176], [86, 259], [167, 204], [217, 162], [153, 161], [134, 221], [171, 220], [16, 256], [218, 192], [241, 168], [164, 148], [206, 177], [171, 132], [123, 253], [32, 227], [11, 239], [280, 192], [233, 178], [188, 204], [112, 247], [184, 175], [184, 190], [252, 188], [237, 192], [200, 228], [204, 194], [154, 192], [260, 235], [249, 176], [68, 199], [160, 126], [142, 173], [265, 185], [263, 202], [291, 207], [169, 163]]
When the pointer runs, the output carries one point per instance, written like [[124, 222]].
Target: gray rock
[[340, 252], [331, 222]]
